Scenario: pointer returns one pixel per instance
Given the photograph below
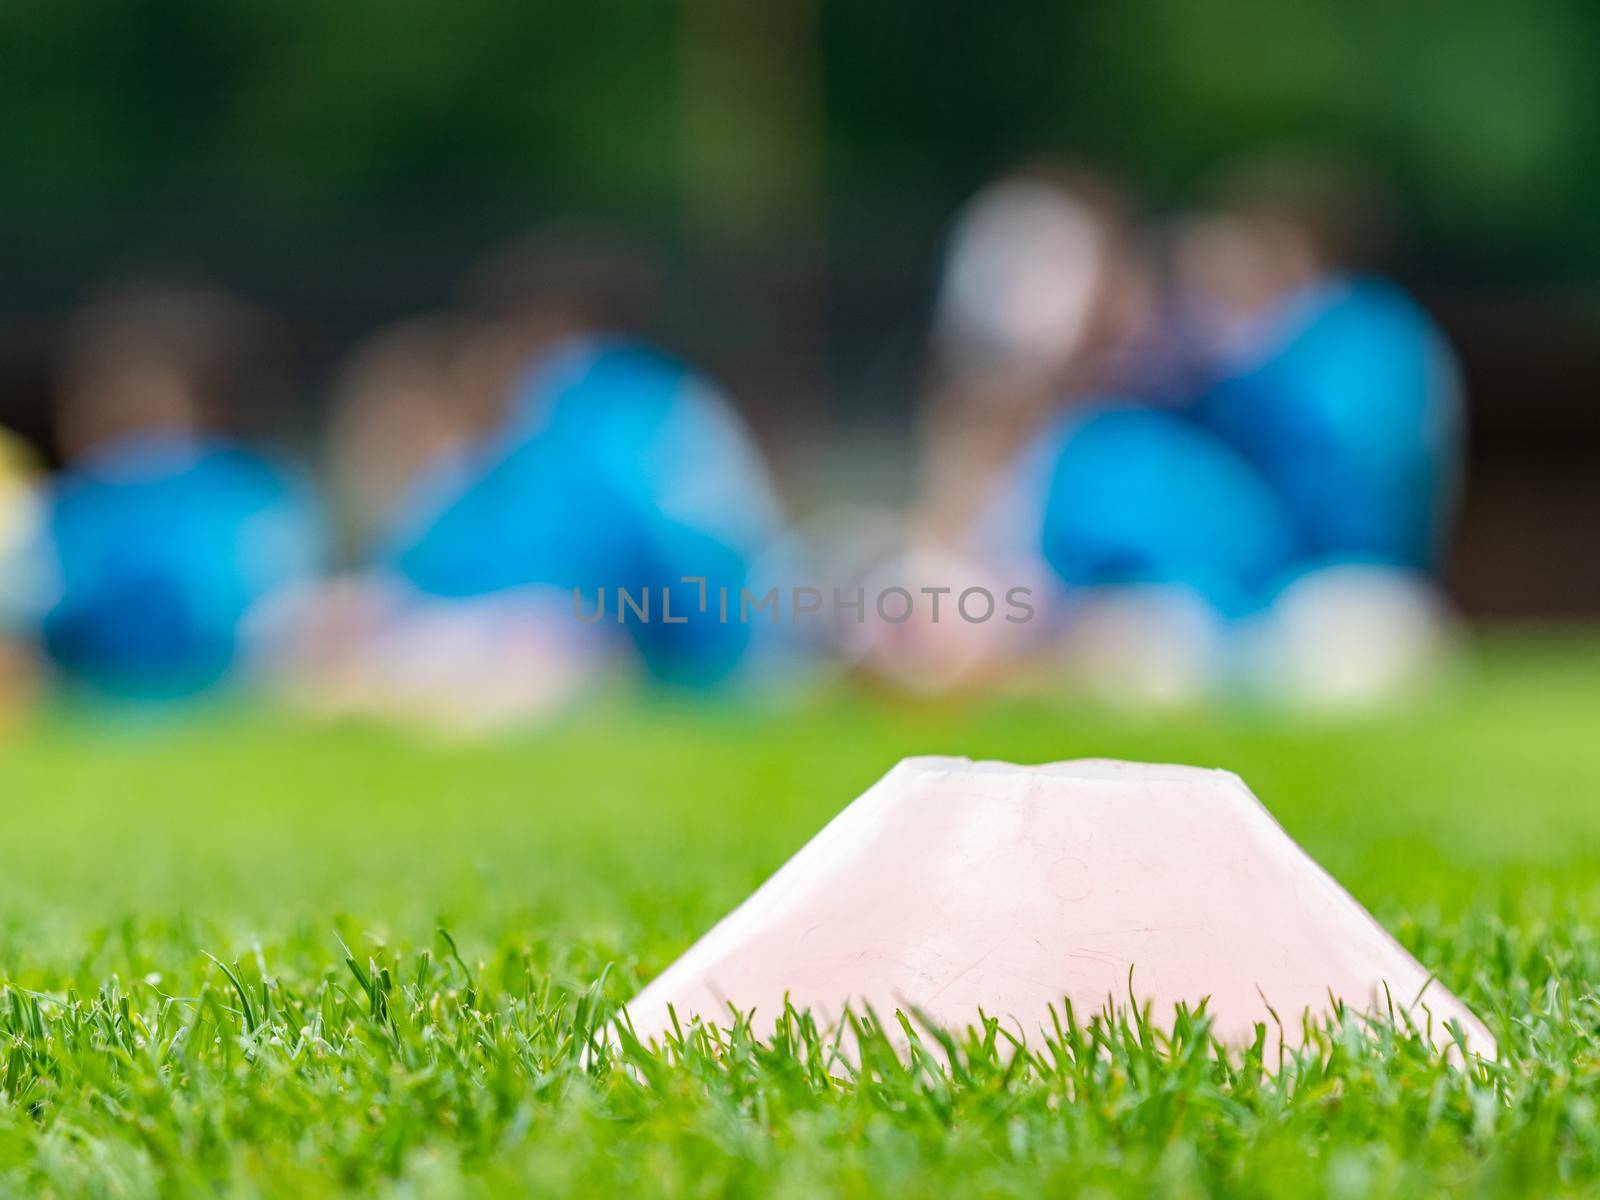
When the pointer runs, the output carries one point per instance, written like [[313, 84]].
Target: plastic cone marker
[[952, 886]]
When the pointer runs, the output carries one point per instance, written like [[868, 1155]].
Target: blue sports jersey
[[617, 468], [1141, 496], [1352, 413], [155, 548]]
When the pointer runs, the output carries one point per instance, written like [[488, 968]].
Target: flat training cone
[[952, 886]]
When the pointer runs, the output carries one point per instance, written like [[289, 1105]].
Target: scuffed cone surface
[[952, 886]]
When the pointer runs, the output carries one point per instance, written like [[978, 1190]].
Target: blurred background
[[775, 194]]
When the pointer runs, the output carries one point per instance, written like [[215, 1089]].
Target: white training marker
[[952, 886]]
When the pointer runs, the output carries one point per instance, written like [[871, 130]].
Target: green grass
[[572, 864]]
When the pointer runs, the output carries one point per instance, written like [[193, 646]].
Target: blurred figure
[[1260, 504], [1331, 380], [1178, 491], [1159, 540], [565, 463], [1338, 388], [1052, 461], [618, 467], [1044, 291], [162, 533], [431, 388]]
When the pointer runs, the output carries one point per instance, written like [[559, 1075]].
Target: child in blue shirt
[[161, 536]]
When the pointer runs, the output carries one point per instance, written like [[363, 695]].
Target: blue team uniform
[[1335, 441], [618, 468], [1351, 410], [1141, 496], [154, 549]]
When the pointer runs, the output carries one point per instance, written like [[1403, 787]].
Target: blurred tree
[[134, 114]]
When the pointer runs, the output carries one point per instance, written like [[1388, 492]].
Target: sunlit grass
[[223, 968]]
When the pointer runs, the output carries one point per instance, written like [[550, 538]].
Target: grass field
[[570, 865]]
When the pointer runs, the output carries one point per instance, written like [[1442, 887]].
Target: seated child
[[1332, 381], [617, 468], [161, 536]]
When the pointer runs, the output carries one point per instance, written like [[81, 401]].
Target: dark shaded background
[[796, 163]]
